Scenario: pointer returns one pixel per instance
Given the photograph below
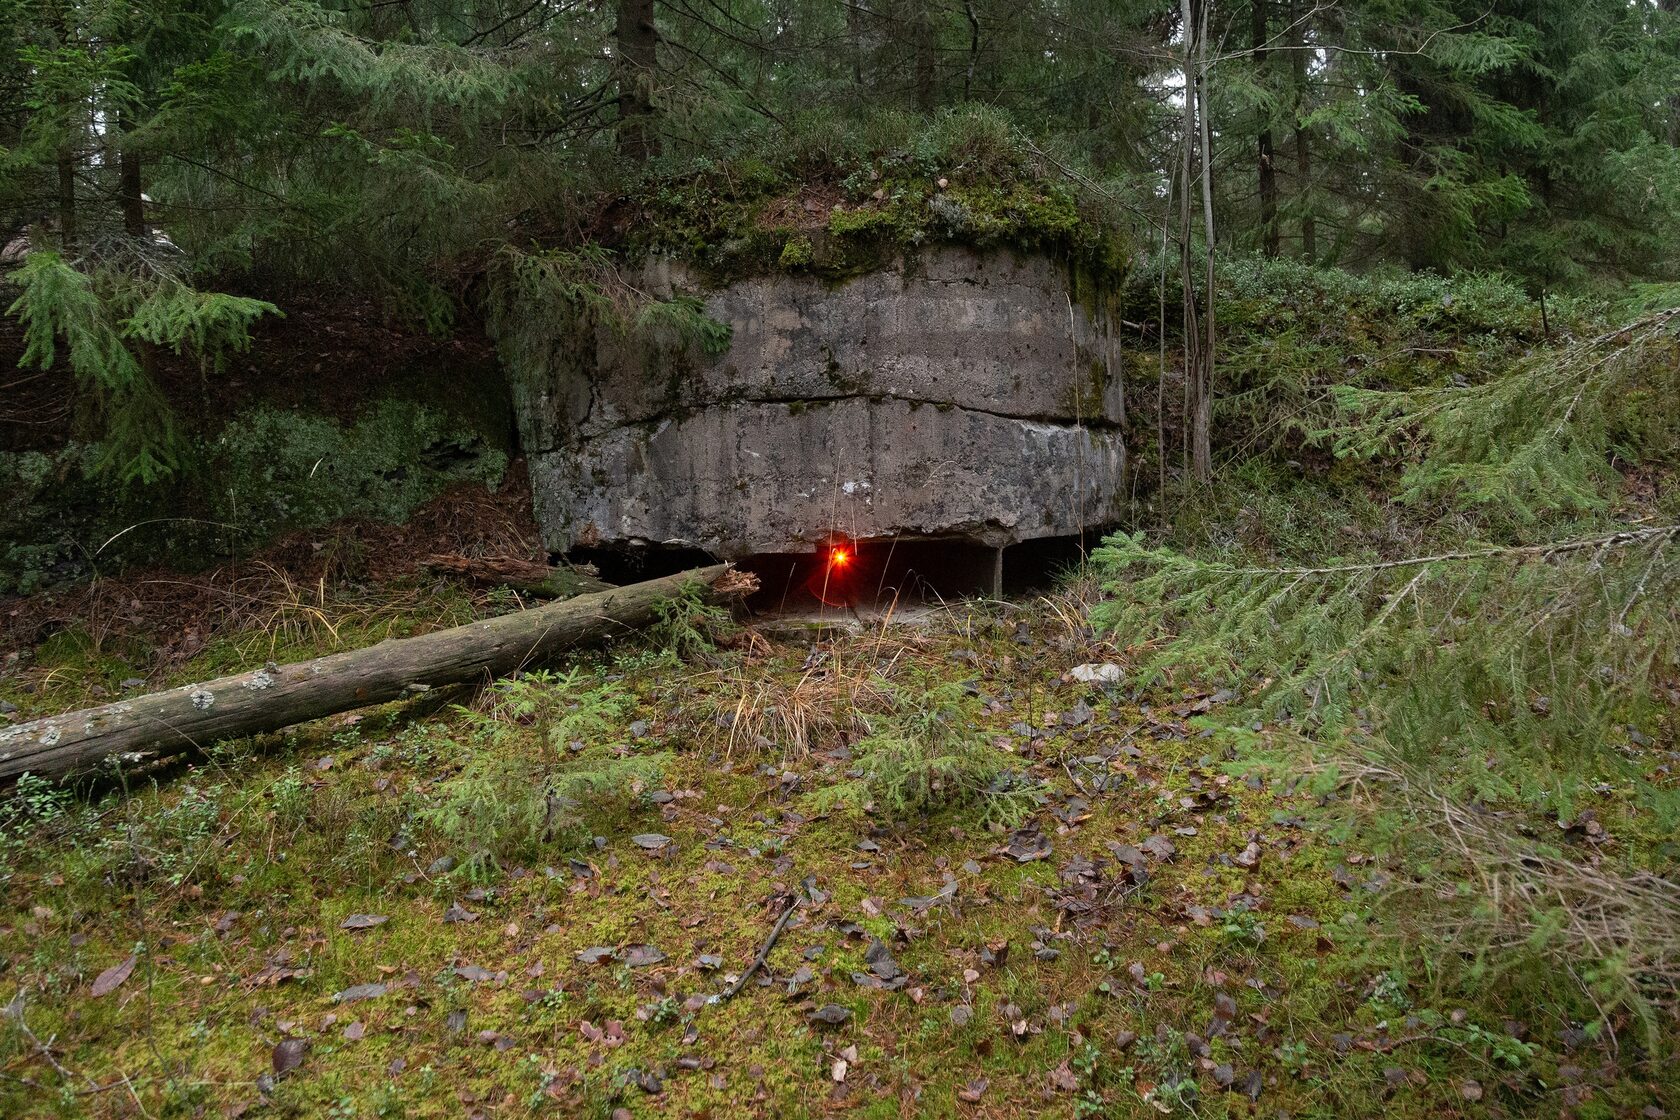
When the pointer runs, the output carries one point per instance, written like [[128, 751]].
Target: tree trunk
[[1303, 144], [1187, 235], [1201, 449], [1672, 8], [973, 48], [66, 168], [638, 63], [66, 200], [167, 723], [129, 188], [1200, 328], [926, 68], [854, 39], [1267, 172]]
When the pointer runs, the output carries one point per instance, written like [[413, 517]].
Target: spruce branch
[[1539, 438], [1548, 646], [1556, 548]]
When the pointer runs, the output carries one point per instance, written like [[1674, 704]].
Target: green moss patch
[[837, 211], [1173, 933]]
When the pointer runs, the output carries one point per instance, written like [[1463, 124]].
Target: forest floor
[[375, 915]]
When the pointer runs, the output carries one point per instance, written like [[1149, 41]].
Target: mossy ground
[[1259, 968]]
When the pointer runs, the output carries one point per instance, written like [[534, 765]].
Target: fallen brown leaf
[[112, 978]]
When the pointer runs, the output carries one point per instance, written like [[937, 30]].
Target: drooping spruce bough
[[1513, 680]]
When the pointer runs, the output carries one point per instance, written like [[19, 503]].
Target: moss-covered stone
[[40, 496], [796, 253], [967, 181]]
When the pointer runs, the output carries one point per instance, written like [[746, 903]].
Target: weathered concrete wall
[[962, 395]]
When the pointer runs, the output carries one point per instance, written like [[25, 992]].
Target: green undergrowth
[[265, 472], [1439, 581], [102, 324], [1291, 336], [546, 883]]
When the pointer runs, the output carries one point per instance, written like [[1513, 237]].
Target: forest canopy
[[397, 146], [155, 154]]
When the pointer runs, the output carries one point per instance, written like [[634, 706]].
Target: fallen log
[[526, 576], [194, 715]]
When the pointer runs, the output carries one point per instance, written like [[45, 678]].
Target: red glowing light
[[839, 558]]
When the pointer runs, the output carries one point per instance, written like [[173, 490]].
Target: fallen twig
[[764, 953]]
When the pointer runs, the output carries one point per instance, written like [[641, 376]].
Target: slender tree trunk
[[129, 188], [1672, 7], [1201, 440], [1303, 142], [925, 63], [66, 198], [1161, 339], [973, 47], [1199, 324], [1267, 172], [66, 165], [1186, 236], [638, 62], [854, 39]]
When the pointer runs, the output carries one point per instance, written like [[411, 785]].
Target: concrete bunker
[[930, 415]]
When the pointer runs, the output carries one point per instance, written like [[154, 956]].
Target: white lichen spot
[[260, 680], [851, 487], [51, 736], [202, 699]]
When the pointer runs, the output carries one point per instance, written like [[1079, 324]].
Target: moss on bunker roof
[[964, 180]]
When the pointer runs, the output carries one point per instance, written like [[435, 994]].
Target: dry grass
[[1070, 607], [831, 697], [1633, 918], [278, 610], [829, 702], [1528, 896]]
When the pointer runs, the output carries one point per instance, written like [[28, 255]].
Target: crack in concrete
[[679, 415]]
